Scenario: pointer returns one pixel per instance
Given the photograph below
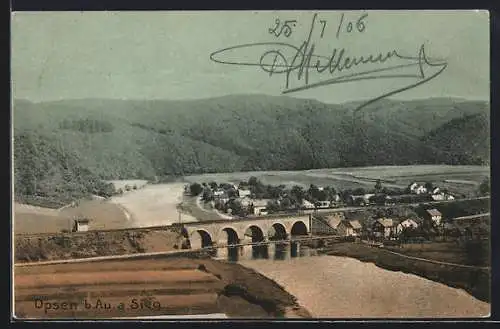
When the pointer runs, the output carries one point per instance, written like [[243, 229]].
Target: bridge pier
[[294, 249], [271, 250], [222, 252], [246, 250]]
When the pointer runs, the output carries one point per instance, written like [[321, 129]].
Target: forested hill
[[114, 139]]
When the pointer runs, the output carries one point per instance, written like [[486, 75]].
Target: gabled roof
[[352, 223], [386, 222], [433, 212], [334, 221], [410, 221], [355, 224], [261, 202]]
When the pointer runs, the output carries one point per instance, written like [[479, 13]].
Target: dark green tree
[[484, 188], [195, 189], [297, 193]]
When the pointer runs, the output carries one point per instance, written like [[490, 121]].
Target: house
[[245, 201], [407, 223], [260, 207], [244, 192], [436, 190], [438, 197], [362, 200], [449, 197], [81, 225], [385, 227], [335, 219], [219, 192], [323, 204], [349, 228], [389, 201], [434, 215], [417, 188], [307, 205]]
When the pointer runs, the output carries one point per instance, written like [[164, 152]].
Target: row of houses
[[380, 227], [475, 226], [436, 193]]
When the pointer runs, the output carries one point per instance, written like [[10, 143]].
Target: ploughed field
[[147, 287]]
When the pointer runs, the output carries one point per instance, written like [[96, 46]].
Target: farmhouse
[[244, 192], [335, 219], [438, 197], [81, 225], [307, 205], [245, 201], [260, 207], [417, 188], [349, 228], [323, 204], [219, 192], [362, 200], [434, 215], [385, 227], [407, 223]]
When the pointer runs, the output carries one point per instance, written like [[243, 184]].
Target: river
[[341, 287]]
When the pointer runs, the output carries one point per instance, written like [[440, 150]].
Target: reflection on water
[[275, 251]]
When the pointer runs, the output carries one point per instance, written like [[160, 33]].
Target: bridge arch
[[299, 228], [200, 239], [277, 231], [228, 235], [254, 232]]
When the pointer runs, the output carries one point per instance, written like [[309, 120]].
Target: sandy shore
[[338, 287], [154, 205]]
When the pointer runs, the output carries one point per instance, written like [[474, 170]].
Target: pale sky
[[165, 55]]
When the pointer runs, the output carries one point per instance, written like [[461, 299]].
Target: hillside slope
[[113, 139]]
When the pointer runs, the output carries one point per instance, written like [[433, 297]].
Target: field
[[364, 177], [478, 254], [168, 286], [104, 215]]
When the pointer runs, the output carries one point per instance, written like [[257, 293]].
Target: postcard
[[251, 165]]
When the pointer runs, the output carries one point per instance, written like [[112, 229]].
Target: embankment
[[60, 246]]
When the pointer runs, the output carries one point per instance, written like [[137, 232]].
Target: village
[[380, 214]]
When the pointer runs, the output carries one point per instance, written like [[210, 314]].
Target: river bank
[[475, 281], [342, 287]]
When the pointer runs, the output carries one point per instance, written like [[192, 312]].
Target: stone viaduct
[[236, 231]]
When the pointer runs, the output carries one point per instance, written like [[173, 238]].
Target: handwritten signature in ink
[[300, 63]]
